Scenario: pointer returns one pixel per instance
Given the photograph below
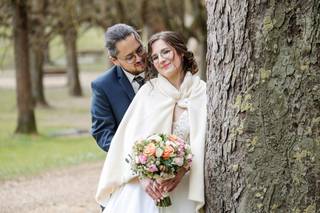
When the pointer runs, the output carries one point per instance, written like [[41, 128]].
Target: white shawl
[[151, 112]]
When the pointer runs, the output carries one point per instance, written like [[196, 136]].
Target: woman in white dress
[[174, 102]]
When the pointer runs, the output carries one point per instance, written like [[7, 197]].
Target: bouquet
[[159, 157]]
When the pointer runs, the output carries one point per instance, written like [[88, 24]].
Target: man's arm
[[103, 121]]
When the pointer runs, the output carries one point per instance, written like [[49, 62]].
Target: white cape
[[151, 112]]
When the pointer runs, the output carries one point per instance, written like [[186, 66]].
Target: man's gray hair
[[116, 33]]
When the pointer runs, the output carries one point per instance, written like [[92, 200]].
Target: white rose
[[155, 137], [159, 152]]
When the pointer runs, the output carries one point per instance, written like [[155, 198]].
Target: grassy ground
[[28, 155]]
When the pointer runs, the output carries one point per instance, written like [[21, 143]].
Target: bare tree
[[26, 117], [68, 24], [38, 43], [70, 43], [106, 13], [5, 29], [263, 142], [5, 19]]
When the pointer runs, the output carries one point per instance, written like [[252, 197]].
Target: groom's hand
[[152, 189]]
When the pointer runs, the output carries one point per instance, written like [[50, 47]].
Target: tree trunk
[[38, 43], [46, 54], [203, 64], [70, 43], [263, 141], [26, 118], [37, 63]]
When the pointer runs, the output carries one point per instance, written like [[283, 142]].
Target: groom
[[113, 91]]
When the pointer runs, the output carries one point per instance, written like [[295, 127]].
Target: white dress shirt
[[133, 83]]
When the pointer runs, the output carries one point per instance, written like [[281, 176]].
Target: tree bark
[[46, 54], [263, 141], [37, 63], [202, 63], [38, 43], [26, 119], [70, 43]]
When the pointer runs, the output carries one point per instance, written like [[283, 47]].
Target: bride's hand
[[152, 188], [171, 184]]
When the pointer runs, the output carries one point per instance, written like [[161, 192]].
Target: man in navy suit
[[113, 91]]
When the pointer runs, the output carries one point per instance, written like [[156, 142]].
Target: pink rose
[[178, 161], [181, 149], [179, 140], [143, 159], [153, 168], [181, 153]]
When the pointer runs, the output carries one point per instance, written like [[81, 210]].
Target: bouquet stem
[[165, 202]]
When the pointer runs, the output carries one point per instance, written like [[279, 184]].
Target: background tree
[[5, 28], [26, 119], [106, 13], [67, 23], [263, 139], [38, 44]]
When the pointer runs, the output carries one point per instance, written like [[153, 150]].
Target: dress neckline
[[181, 116]]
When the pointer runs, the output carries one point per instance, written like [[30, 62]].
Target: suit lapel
[[125, 84]]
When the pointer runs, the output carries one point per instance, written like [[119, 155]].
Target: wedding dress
[[132, 198]]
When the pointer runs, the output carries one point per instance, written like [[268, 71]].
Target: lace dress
[[132, 198]]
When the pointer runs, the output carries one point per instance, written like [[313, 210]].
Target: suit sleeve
[[103, 120]]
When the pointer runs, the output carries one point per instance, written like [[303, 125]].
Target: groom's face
[[131, 55]]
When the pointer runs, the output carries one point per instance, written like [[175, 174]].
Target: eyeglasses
[[132, 57], [165, 53]]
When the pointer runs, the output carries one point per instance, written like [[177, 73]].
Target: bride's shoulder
[[148, 88], [203, 83], [149, 85]]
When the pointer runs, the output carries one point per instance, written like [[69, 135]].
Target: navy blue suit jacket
[[112, 94]]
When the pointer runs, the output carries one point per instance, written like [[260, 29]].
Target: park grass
[[24, 155]]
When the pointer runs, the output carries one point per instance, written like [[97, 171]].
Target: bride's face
[[165, 59]]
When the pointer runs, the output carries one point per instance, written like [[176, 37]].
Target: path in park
[[8, 81], [67, 190]]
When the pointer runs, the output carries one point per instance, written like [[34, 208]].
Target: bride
[[174, 102]]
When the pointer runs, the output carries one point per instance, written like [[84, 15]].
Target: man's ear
[[114, 60]]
